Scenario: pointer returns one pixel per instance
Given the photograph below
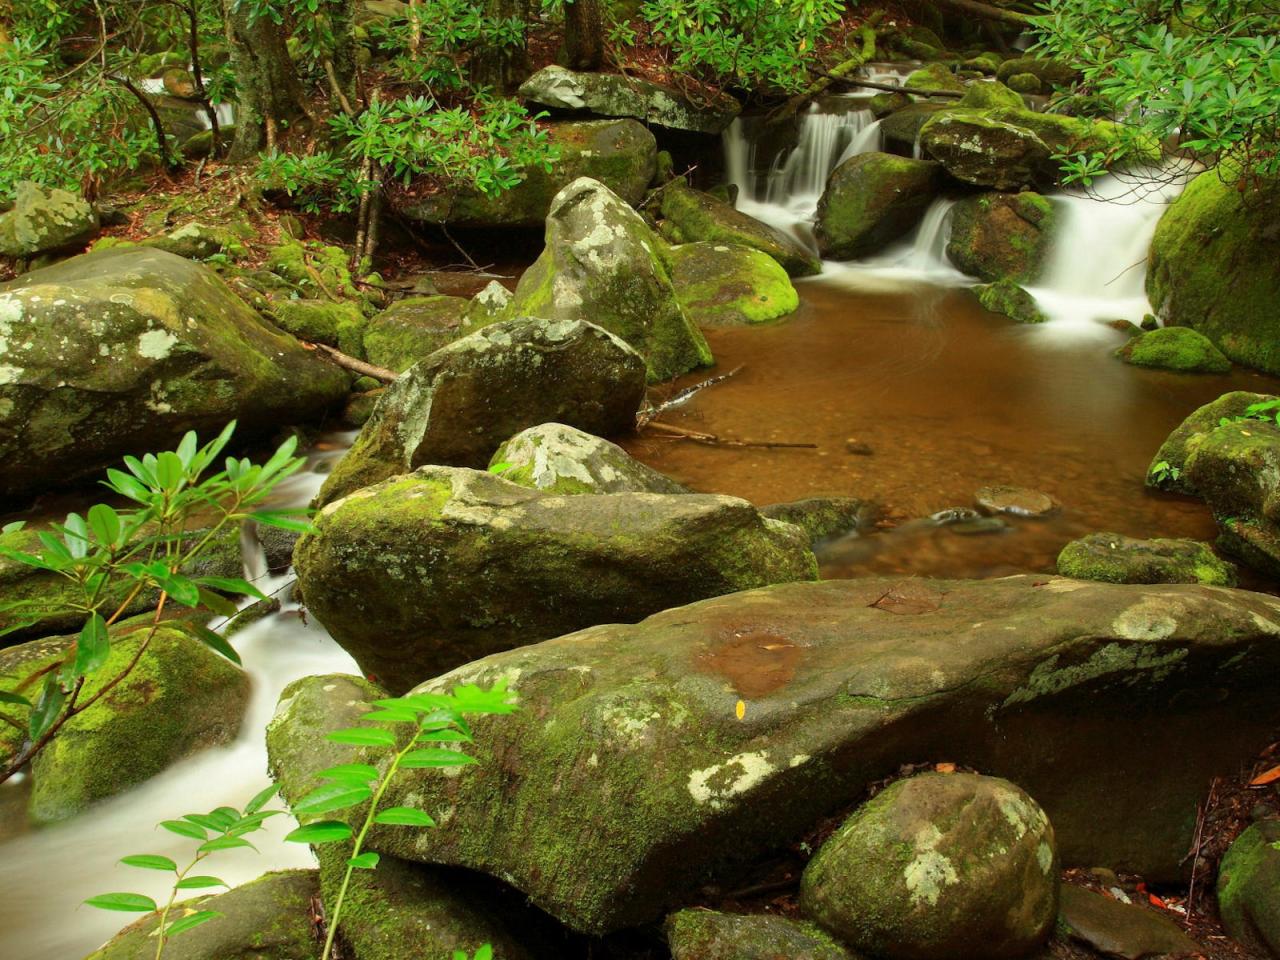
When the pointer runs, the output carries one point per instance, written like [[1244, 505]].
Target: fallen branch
[[868, 33], [987, 11], [352, 364], [646, 416], [889, 87], [697, 436]]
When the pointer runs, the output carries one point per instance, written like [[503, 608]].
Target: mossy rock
[[871, 200], [1249, 888], [711, 935], [487, 306], [1115, 558], [360, 406], [824, 517], [442, 566], [621, 154], [997, 236], [555, 458], [1175, 348], [721, 284], [1008, 299], [414, 328], [983, 95], [1026, 83], [180, 698], [691, 216], [934, 76], [461, 402], [939, 867], [123, 351], [900, 130], [1233, 469], [986, 152], [1051, 73], [199, 241], [985, 63], [883, 104], [315, 268], [340, 324], [1189, 434], [602, 261], [45, 221], [268, 919], [1203, 270], [1071, 135]]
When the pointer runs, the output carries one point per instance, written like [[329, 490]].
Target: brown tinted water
[[948, 398]]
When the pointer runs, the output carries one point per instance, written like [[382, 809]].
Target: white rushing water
[[49, 872]]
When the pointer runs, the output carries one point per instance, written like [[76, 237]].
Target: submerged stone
[[871, 200], [1018, 501], [1115, 558], [1174, 348], [711, 935], [555, 458], [724, 284]]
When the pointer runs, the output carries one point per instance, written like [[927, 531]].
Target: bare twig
[[354, 365], [647, 415], [697, 436]]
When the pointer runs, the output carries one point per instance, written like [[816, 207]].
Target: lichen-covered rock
[[824, 517], [1203, 268], [1168, 466], [871, 200], [442, 566], [1249, 888], [1001, 235], [123, 351], [339, 324], [691, 216], [727, 284], [199, 241], [1125, 931], [985, 95], [180, 698], [268, 919], [1113, 706], [487, 306], [601, 261], [611, 95], [459, 404], [45, 221], [938, 867], [1007, 298], [711, 935], [315, 269], [413, 329], [934, 76], [555, 458], [1175, 348], [985, 152], [1115, 558], [1235, 469], [621, 154]]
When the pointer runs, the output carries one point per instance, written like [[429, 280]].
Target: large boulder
[[691, 216], [1001, 235], [1203, 268], [1113, 706], [938, 867], [612, 95], [1174, 348], [602, 262], [985, 152], [442, 566], [711, 935], [871, 200], [180, 698], [1249, 888], [1168, 466], [1115, 558], [459, 404], [45, 221], [413, 329], [621, 154], [123, 351], [727, 284], [555, 458]]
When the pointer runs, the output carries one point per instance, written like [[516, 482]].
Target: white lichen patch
[[1126, 662], [716, 785], [1149, 619], [929, 870], [1044, 856], [156, 344]]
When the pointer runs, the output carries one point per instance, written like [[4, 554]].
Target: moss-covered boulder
[[45, 221], [555, 458], [442, 566], [268, 919], [612, 95], [1001, 235], [180, 698], [621, 154], [986, 152], [1070, 135], [691, 216], [199, 241], [934, 76], [1052, 73], [727, 284], [900, 130], [1026, 83], [339, 324], [1115, 558], [1168, 466], [711, 935], [871, 200], [824, 517], [1235, 469], [123, 351], [983, 95], [413, 329], [459, 404], [601, 261], [1175, 348], [1249, 888], [1113, 706], [316, 270], [1010, 300], [939, 867], [1203, 270]]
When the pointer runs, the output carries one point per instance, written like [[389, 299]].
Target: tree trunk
[[270, 93], [504, 68], [584, 31]]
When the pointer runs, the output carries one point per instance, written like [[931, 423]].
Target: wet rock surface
[[1114, 558], [1121, 930]]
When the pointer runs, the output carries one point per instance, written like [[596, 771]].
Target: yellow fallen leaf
[[740, 709]]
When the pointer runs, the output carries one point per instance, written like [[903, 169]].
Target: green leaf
[[233, 585], [210, 820], [444, 736], [183, 924], [363, 737], [47, 709], [19, 699], [184, 829], [200, 883], [431, 757], [218, 603], [365, 861], [212, 640], [333, 796], [391, 715], [180, 589], [359, 772], [324, 831], [93, 645], [284, 519], [261, 798], [105, 524], [224, 843], [403, 817], [125, 902], [149, 861]]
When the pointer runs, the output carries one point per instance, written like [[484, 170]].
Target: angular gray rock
[[612, 95], [555, 458]]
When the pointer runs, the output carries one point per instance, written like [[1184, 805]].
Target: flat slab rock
[[631, 775], [1018, 501], [1121, 930]]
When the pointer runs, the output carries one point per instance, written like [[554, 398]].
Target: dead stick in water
[[647, 416], [352, 364], [698, 436], [877, 85]]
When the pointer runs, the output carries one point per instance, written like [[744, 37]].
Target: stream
[[914, 397]]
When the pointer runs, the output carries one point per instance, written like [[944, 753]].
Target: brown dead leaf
[[1269, 776]]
